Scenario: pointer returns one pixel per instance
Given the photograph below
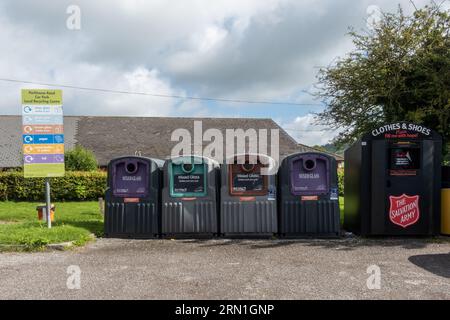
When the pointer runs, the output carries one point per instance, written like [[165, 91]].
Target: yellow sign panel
[[41, 97], [43, 149]]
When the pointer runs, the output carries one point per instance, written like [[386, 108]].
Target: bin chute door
[[131, 178], [309, 175], [188, 179], [246, 179]]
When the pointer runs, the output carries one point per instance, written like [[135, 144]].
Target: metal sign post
[[48, 203], [43, 138]]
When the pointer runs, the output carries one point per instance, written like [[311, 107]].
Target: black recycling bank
[[393, 181]]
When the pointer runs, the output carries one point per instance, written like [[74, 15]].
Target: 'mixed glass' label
[[189, 183]]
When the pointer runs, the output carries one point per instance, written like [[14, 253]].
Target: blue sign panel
[[43, 138]]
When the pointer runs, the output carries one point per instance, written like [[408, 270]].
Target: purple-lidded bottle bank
[[309, 196], [132, 204]]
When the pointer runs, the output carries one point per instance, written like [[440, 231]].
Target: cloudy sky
[[246, 49]]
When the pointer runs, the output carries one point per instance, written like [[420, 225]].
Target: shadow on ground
[[346, 244], [438, 264]]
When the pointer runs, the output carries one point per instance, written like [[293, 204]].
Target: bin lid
[[193, 159], [44, 206], [268, 162]]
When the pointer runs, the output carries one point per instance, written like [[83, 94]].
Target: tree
[[332, 148], [398, 71], [80, 159]]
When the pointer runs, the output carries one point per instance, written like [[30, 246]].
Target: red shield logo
[[404, 210]]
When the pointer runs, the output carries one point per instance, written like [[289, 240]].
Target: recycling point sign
[[42, 133]]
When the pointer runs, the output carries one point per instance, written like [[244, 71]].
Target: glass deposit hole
[[310, 164]]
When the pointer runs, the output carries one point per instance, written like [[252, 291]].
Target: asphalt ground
[[233, 269]]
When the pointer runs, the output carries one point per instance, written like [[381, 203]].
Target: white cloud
[[39, 57], [305, 130], [246, 49]]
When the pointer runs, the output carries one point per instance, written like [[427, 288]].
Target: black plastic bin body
[[393, 181], [189, 197], [308, 196], [248, 198], [132, 204]]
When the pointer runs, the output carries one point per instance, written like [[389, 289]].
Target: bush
[[3, 190], [80, 159], [74, 186], [341, 181]]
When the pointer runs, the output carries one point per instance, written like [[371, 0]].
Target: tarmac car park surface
[[233, 269]]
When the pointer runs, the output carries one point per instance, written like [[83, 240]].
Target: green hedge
[[73, 186], [341, 181]]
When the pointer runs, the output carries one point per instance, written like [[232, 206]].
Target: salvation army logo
[[404, 210]]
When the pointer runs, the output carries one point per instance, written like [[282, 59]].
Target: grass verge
[[21, 230], [74, 222]]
